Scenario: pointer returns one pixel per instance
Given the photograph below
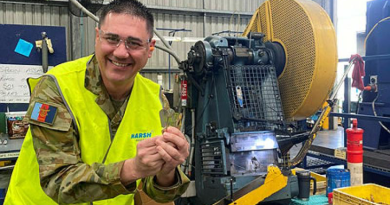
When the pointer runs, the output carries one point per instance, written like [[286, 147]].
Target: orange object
[[151, 48], [370, 88]]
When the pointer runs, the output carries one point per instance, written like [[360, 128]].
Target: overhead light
[[192, 39], [177, 39], [168, 38]]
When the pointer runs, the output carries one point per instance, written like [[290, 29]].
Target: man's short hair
[[131, 7]]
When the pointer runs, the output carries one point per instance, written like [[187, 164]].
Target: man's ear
[[151, 48], [96, 35]]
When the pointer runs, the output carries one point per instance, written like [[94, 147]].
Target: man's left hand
[[173, 148]]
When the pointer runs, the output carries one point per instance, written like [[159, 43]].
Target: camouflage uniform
[[62, 173]]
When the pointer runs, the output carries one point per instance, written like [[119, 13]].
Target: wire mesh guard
[[255, 96]]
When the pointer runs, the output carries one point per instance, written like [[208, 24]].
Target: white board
[[13, 82]]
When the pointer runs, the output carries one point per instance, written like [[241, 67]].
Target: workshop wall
[[202, 17]]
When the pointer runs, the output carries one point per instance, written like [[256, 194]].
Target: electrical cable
[[186, 162], [205, 106], [373, 28], [231, 21], [365, 42], [358, 102], [373, 109], [192, 148], [239, 22], [197, 122]]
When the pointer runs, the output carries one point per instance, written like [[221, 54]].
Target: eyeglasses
[[115, 40]]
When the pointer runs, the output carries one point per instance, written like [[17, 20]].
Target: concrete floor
[[330, 138], [327, 138]]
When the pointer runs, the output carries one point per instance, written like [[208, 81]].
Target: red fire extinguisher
[[355, 153]]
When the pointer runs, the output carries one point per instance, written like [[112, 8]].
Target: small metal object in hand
[[168, 118]]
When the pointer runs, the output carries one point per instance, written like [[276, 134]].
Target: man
[[95, 129]]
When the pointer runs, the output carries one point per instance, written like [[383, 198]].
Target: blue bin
[[337, 178]]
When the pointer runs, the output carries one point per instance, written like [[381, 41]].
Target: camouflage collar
[[94, 83], [93, 80]]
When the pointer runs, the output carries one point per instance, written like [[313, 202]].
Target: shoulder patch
[[44, 113]]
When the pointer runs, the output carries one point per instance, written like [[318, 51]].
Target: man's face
[[122, 48]]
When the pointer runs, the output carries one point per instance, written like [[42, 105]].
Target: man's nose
[[121, 51]]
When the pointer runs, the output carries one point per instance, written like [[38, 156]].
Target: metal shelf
[[372, 162], [11, 150]]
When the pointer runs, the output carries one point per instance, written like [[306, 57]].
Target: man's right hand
[[147, 162]]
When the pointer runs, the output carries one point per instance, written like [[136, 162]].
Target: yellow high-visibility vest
[[141, 120]]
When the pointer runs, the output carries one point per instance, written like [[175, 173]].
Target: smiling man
[[86, 152]]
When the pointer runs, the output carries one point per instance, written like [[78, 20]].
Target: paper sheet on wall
[[13, 82]]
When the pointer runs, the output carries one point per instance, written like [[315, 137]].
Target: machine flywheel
[[308, 38]]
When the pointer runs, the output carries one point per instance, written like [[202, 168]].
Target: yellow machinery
[[308, 38]]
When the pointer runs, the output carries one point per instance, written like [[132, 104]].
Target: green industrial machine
[[248, 94]]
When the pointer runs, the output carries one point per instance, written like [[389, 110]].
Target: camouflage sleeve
[[166, 194], [64, 177]]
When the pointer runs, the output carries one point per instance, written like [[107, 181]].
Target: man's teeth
[[119, 64]]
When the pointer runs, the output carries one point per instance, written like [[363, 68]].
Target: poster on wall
[[13, 82]]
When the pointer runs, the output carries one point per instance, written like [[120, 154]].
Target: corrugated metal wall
[[202, 17], [199, 29], [226, 5], [82, 35]]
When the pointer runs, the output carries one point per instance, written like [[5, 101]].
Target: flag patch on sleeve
[[44, 113]]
